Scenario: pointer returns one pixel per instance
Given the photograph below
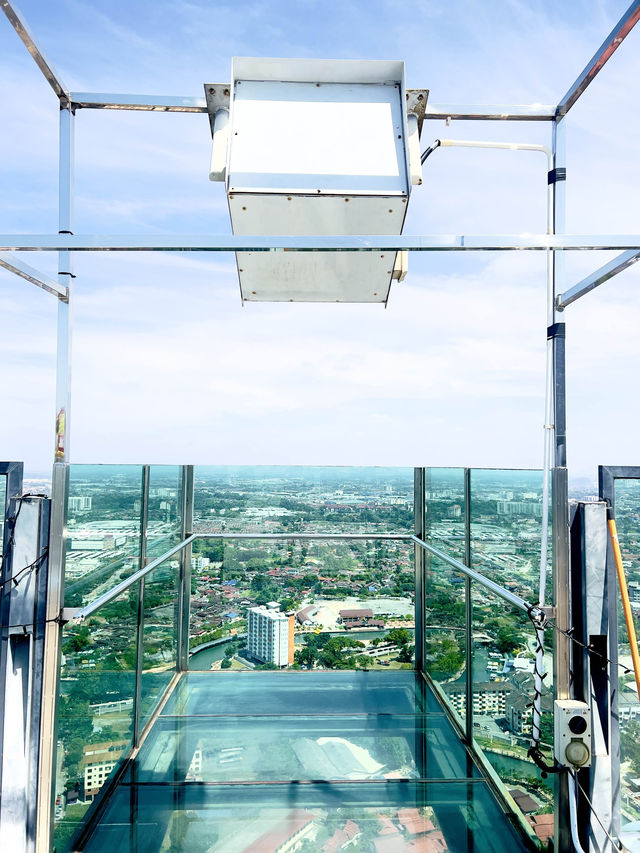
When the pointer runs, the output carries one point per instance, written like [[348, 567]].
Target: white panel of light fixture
[[317, 147]]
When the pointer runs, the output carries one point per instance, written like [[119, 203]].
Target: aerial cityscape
[[303, 604]]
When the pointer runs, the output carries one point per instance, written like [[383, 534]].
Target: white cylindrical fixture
[[413, 144], [218, 168]]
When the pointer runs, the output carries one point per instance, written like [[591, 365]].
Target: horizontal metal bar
[[148, 103], [18, 267], [515, 600], [187, 104], [491, 112], [20, 26], [393, 537], [601, 57], [313, 243], [117, 590], [604, 273]]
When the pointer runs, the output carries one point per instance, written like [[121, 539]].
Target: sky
[[168, 367]]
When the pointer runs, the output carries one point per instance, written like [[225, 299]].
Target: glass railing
[[303, 499], [299, 601], [503, 643], [95, 714], [3, 509], [164, 520], [506, 527], [302, 603], [103, 529], [627, 512], [446, 635], [445, 509]]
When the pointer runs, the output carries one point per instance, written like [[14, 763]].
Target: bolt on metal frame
[[65, 244]]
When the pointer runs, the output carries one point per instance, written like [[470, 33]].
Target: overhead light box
[[316, 147]]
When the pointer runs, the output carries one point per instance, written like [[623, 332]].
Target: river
[[205, 657]]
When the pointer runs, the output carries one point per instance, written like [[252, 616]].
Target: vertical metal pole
[[468, 607], [65, 275], [559, 479], [51, 657], [419, 526], [142, 561], [59, 490], [184, 598]]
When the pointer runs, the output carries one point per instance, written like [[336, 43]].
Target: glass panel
[[445, 633], [627, 504], [103, 529], [160, 634], [307, 604], [444, 499], [395, 692], [3, 497], [164, 526], [385, 818], [95, 708], [280, 499], [506, 526], [503, 681], [279, 749]]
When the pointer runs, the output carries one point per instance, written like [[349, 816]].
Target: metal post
[[142, 561], [65, 275], [184, 598], [419, 526], [560, 487], [562, 643], [51, 660], [468, 607]]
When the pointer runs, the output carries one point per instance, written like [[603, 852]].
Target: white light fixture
[[316, 147]]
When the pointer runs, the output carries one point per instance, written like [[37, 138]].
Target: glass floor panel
[[274, 749], [346, 692], [354, 761]]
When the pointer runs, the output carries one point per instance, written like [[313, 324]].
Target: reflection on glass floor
[[295, 761]]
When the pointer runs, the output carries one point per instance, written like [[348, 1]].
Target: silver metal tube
[[595, 279], [146, 103], [51, 662], [490, 112], [505, 594], [418, 555], [20, 26], [184, 602], [13, 264], [312, 243], [393, 537], [600, 57], [186, 104], [142, 561], [468, 608], [65, 272], [115, 591]]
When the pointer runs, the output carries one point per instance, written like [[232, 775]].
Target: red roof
[[433, 843], [388, 828], [414, 823], [285, 830], [542, 826]]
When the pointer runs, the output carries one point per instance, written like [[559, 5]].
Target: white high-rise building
[[270, 634]]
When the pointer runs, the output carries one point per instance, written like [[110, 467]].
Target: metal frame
[[607, 476], [65, 244]]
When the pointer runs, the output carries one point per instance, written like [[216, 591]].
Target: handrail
[[530, 609], [80, 615]]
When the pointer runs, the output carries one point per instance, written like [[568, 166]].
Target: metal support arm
[[595, 279]]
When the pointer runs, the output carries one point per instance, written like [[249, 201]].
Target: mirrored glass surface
[[311, 499], [103, 529]]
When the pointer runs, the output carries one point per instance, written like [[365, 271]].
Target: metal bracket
[[218, 96], [548, 611], [555, 175], [417, 104], [67, 614]]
